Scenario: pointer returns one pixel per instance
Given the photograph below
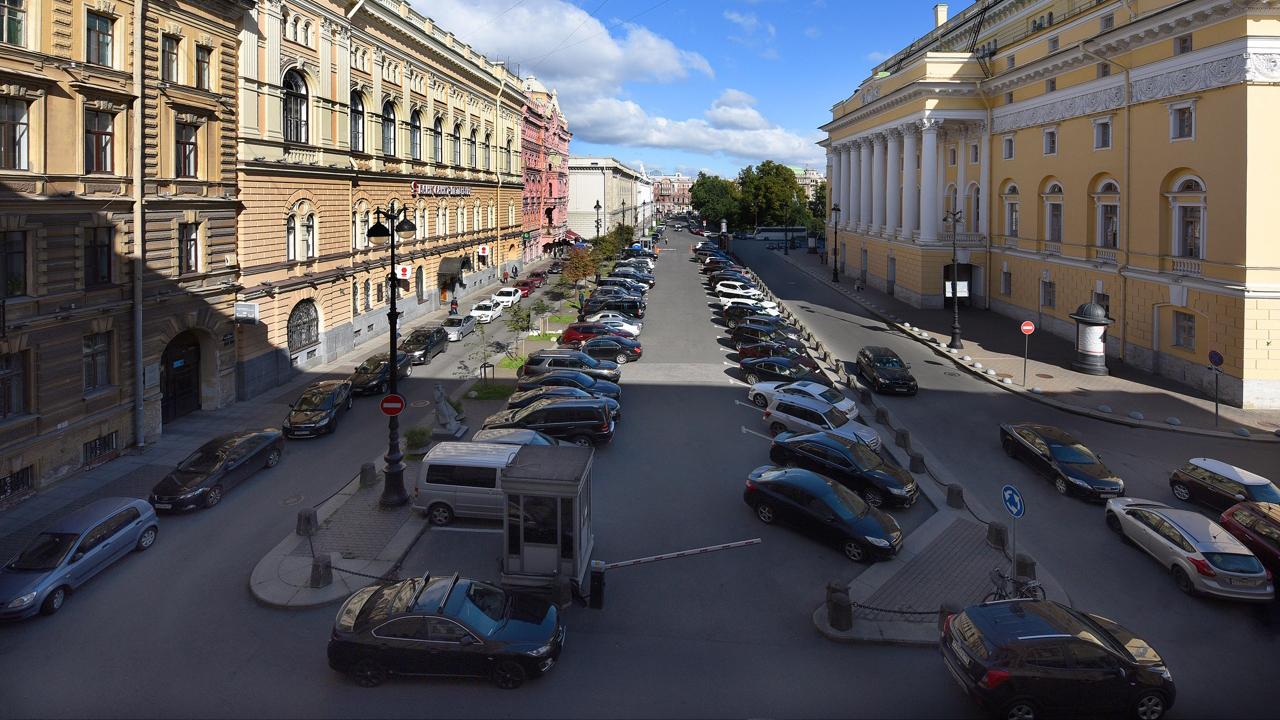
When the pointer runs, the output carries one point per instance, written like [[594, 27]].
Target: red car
[[525, 287], [770, 349], [538, 278], [1257, 526], [578, 332]]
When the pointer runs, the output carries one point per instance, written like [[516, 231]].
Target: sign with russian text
[[419, 189]]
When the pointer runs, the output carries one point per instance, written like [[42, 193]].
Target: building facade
[[546, 139], [105, 338], [671, 194], [1080, 151], [611, 185], [809, 180], [349, 110]]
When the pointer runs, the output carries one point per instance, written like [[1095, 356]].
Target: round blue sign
[[1215, 358], [1012, 501]]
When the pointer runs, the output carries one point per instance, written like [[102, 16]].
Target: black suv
[[884, 371], [1031, 658], [582, 422], [545, 361], [626, 306], [425, 343]]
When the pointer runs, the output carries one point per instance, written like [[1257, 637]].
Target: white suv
[[506, 297], [804, 414]]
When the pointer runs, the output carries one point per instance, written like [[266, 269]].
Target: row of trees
[[763, 195]]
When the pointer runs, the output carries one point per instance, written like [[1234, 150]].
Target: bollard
[[321, 571], [595, 599], [955, 497], [946, 611], [917, 462], [998, 536], [368, 475], [864, 394], [839, 608], [308, 524], [902, 438], [882, 415], [1024, 566]]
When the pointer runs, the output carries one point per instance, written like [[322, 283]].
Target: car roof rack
[[453, 581]]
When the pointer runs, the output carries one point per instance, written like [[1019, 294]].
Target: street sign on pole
[[1215, 358], [404, 272], [1013, 503], [392, 405], [1028, 327]]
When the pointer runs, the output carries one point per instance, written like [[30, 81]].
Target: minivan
[[462, 479]]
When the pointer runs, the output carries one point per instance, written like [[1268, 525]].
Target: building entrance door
[[180, 377]]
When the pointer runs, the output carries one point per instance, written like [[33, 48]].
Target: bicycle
[[1012, 588]]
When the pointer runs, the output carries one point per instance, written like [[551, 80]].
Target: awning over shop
[[571, 235], [450, 272]]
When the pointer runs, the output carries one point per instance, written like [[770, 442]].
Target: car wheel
[[1150, 705], [766, 513], [273, 455], [350, 402], [1113, 523], [621, 359], [1183, 581], [440, 514], [776, 428], [752, 378], [581, 441], [147, 538], [760, 401], [509, 674], [53, 601], [874, 497], [1009, 449], [1180, 491], [332, 427], [213, 496], [1020, 709], [370, 673], [1060, 484], [854, 550]]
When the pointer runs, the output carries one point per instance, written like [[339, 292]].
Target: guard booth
[[547, 539]]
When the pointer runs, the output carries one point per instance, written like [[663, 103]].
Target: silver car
[[1202, 557], [459, 326], [803, 414]]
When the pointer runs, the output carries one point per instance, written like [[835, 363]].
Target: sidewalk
[[993, 346]]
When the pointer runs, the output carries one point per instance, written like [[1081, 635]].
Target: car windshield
[[866, 458], [849, 500], [1073, 454], [1265, 493], [205, 459], [1234, 563], [368, 367], [888, 361], [45, 552], [313, 401], [835, 417], [453, 322], [484, 306]]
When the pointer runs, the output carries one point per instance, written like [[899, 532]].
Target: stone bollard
[[902, 438], [321, 571], [955, 497], [1024, 566], [308, 524], [882, 415], [997, 536], [368, 475], [917, 462], [865, 395], [839, 608]]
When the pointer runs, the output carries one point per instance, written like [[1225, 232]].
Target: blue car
[[71, 551]]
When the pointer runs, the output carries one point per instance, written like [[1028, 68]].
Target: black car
[[448, 626], [612, 347], [625, 305], [884, 371], [555, 267], [1036, 658], [425, 343], [824, 508], [756, 370], [581, 421], [720, 276], [216, 467], [751, 332], [611, 292], [545, 361], [778, 349], [318, 409], [633, 274], [571, 378], [558, 392], [1072, 467], [851, 464], [372, 375], [737, 314]]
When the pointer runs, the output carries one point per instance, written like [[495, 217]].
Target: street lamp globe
[[378, 233], [405, 229]]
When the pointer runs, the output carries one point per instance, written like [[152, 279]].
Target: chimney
[[939, 14]]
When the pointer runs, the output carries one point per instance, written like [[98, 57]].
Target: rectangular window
[[1182, 122], [951, 156], [1051, 85], [1050, 142], [204, 56], [1053, 44], [1189, 219], [1008, 98], [1008, 148], [188, 248], [1184, 330], [13, 263], [98, 34], [1006, 283], [379, 290], [97, 256], [169, 59], [973, 153], [99, 150], [1109, 233], [1054, 233], [186, 151], [13, 22], [96, 356], [1010, 62], [1011, 219], [1182, 44], [1104, 70], [13, 133], [99, 447], [18, 483], [1102, 135], [1106, 22], [1048, 294], [13, 385]]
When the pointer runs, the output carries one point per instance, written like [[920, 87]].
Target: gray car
[[459, 326], [71, 551]]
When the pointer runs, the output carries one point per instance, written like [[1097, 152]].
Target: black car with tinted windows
[[425, 343], [778, 349], [737, 314], [884, 371], [580, 421], [571, 378], [612, 347], [217, 467], [1028, 659], [318, 409], [372, 375], [752, 331], [526, 398], [625, 305], [446, 626], [545, 361], [1071, 467], [849, 463], [756, 370]]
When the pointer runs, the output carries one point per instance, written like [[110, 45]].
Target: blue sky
[[692, 85]]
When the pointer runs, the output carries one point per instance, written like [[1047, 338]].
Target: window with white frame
[[973, 153], [188, 248], [951, 156], [1182, 121], [389, 128], [1188, 201], [169, 59], [355, 238], [511, 214], [442, 220], [357, 122], [1102, 134], [1053, 213], [1107, 230], [13, 133], [1184, 330], [186, 150], [462, 218], [13, 19], [1011, 211], [291, 237], [309, 234], [415, 136], [1008, 147], [1182, 44], [1104, 70], [437, 142], [99, 145], [1051, 141], [1106, 22], [1051, 85], [456, 140], [99, 34], [1008, 98], [204, 58], [1010, 62], [1053, 43], [1048, 294]]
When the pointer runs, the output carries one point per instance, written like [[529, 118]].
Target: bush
[[417, 436], [512, 363], [492, 390]]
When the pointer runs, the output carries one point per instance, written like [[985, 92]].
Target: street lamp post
[[393, 494], [835, 242], [597, 208], [953, 217]]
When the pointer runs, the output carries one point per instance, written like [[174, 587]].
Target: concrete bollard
[[902, 438], [839, 608], [308, 524], [955, 497], [321, 571], [882, 415], [997, 536], [917, 462], [1024, 566], [864, 394], [368, 475]]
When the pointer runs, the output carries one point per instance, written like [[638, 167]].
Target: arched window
[[295, 107], [293, 28], [475, 216], [488, 152], [974, 217], [305, 38], [493, 215], [355, 299], [1189, 218], [368, 297], [457, 144], [355, 238], [389, 128], [304, 326], [471, 147], [442, 220], [953, 198], [291, 238], [309, 234], [462, 218], [1053, 213], [437, 142], [415, 136], [511, 214], [506, 158], [1107, 215], [419, 285], [357, 122]]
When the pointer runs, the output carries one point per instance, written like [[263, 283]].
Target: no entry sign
[[1028, 327], [392, 405]]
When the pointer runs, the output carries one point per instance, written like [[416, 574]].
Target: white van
[[463, 479]]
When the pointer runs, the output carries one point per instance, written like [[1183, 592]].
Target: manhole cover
[[952, 374], [291, 500], [420, 403], [1046, 376]]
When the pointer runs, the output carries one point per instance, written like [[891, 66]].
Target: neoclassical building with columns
[[1119, 152]]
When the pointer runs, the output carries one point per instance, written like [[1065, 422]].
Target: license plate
[[164, 506], [1242, 582], [958, 649]]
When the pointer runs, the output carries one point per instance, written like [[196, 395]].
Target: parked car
[[556, 267], [372, 375], [793, 413], [318, 409], [611, 347], [824, 508], [752, 330], [448, 626], [571, 378], [507, 296], [633, 274], [525, 287], [626, 306], [884, 371], [614, 315], [609, 292], [516, 436], [729, 274], [538, 278], [560, 392], [733, 289], [218, 466], [1257, 526], [486, 311], [1218, 485], [1202, 557], [734, 314], [852, 464], [761, 393], [775, 323], [581, 332], [70, 551], [459, 326], [781, 347], [1031, 658], [784, 369], [545, 361], [1072, 467], [425, 343], [580, 421], [630, 287]]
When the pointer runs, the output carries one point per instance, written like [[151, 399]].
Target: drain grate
[[1046, 376]]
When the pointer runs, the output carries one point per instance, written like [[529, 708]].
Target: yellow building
[[1112, 151], [349, 107]]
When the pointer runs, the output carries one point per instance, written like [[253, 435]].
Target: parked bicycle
[[1010, 588]]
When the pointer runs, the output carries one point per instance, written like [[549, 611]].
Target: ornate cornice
[[901, 96]]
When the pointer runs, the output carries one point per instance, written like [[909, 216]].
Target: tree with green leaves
[[714, 198], [519, 320], [578, 265], [769, 193]]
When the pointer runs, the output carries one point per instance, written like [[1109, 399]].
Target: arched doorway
[[304, 327], [180, 377]]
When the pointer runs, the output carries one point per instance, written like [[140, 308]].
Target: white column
[[910, 201], [929, 209], [984, 204], [877, 183], [833, 179], [962, 163], [864, 187], [249, 126], [853, 171], [893, 184], [342, 94]]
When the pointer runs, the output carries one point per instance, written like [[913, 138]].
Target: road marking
[[737, 382], [747, 405], [466, 529], [746, 431], [726, 362]]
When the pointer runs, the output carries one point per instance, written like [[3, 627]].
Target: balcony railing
[[1008, 241], [1049, 247], [1181, 265], [301, 155], [1103, 254]]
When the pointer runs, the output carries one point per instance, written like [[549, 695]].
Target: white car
[[486, 311], [605, 315], [761, 307], [623, 325], [459, 326], [734, 288], [798, 413], [763, 392], [506, 297]]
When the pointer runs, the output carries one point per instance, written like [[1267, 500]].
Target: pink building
[[545, 141]]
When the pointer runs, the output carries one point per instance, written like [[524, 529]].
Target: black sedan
[[448, 626], [553, 392], [425, 343], [756, 370], [611, 347], [218, 466], [571, 378], [318, 409], [884, 371], [824, 508], [1073, 468], [752, 331], [372, 375], [851, 464]]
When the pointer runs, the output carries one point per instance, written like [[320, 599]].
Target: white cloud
[[754, 33], [812, 32], [747, 21], [876, 56], [733, 109]]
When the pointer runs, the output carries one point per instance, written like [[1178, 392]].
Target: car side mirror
[[76, 557], [1239, 497]]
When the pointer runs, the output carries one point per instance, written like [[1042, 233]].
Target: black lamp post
[[393, 494], [953, 217], [835, 242], [597, 218]]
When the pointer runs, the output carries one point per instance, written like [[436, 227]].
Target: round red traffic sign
[[392, 405], [1028, 327]]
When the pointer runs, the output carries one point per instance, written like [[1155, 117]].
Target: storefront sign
[[419, 189], [482, 250]]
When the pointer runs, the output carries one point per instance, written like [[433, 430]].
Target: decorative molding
[[1195, 78], [1262, 67], [21, 91], [871, 94], [102, 105], [929, 125], [1086, 104]]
